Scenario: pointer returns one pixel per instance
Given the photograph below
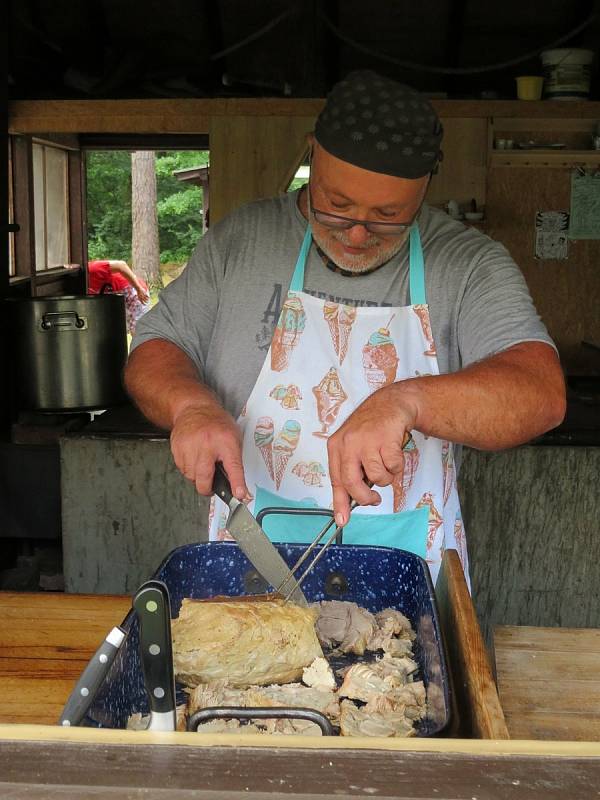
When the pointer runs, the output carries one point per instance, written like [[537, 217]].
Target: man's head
[[376, 142]]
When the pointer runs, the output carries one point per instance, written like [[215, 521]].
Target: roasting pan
[[374, 577]]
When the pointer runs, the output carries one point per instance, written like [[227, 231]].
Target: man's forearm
[[500, 402], [163, 382]]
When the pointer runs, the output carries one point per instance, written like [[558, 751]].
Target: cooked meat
[[319, 675], [355, 721], [367, 681], [410, 700], [292, 694], [228, 726], [245, 642], [391, 619], [345, 624], [394, 634]]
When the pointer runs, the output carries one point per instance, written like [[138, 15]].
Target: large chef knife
[[153, 608], [251, 538]]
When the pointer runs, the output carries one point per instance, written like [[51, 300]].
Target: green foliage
[[179, 204]]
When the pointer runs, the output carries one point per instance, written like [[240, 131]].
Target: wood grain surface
[[477, 711], [549, 681], [151, 771], [46, 640]]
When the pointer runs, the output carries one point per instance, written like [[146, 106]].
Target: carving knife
[[153, 608], [252, 540]]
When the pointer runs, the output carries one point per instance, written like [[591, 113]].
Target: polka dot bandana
[[378, 124]]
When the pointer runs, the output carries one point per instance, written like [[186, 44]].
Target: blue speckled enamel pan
[[374, 577]]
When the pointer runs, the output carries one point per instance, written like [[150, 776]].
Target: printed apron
[[325, 359]]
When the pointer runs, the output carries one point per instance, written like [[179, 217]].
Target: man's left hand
[[368, 447]]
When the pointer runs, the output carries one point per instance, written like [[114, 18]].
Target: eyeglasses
[[336, 222]]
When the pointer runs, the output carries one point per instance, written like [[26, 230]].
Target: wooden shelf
[[545, 158]]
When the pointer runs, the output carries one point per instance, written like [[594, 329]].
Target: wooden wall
[[566, 293], [256, 144]]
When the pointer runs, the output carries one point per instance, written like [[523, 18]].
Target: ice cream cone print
[[287, 333], [287, 396], [284, 445], [461, 542], [263, 439], [330, 396], [311, 473], [403, 481], [448, 468], [340, 319], [422, 313], [380, 359], [435, 519]]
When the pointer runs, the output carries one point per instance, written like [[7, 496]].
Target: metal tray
[[374, 577]]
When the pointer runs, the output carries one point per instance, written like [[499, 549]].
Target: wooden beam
[[193, 115]]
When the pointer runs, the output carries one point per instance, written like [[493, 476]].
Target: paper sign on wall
[[585, 206], [551, 228]]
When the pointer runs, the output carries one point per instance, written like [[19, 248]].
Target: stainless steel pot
[[69, 351]]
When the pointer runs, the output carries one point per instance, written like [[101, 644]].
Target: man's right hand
[[203, 435]]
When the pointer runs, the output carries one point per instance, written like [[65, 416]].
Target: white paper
[[551, 235]]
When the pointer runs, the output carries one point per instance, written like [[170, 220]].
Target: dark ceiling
[[299, 48]]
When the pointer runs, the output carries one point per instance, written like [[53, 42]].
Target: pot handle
[[63, 320]]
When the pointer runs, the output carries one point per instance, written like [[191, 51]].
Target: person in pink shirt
[[114, 276]]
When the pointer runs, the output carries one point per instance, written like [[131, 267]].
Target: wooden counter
[[549, 681], [46, 640]]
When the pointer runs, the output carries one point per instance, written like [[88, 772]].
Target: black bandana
[[380, 125]]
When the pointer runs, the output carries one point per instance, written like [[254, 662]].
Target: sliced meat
[[346, 625], [355, 721]]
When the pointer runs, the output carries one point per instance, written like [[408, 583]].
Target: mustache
[[342, 237]]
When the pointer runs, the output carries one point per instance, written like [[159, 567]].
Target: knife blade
[[82, 696], [153, 608], [251, 538]]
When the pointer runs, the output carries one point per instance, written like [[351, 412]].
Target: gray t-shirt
[[223, 308]]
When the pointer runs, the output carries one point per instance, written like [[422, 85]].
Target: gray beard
[[359, 264]]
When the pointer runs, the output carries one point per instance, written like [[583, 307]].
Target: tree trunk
[[144, 247]]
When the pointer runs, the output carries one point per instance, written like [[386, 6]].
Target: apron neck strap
[[416, 266], [297, 282], [417, 269]]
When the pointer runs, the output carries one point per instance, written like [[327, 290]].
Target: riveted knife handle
[[221, 486], [154, 614], [84, 693]]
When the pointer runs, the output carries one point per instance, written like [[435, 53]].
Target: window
[[51, 206]]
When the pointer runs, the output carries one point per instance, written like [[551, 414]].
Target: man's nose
[[358, 235]]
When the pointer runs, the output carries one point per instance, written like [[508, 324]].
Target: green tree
[[179, 204]]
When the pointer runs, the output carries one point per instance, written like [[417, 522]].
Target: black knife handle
[[84, 693], [154, 614], [221, 486]]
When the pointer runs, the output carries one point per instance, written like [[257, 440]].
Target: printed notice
[[585, 206], [551, 228]]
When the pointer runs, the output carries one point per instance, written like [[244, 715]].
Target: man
[[117, 276], [402, 334]]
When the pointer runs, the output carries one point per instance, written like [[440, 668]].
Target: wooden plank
[[549, 681], [299, 773], [531, 637], [575, 727], [539, 159], [473, 682], [521, 694], [46, 641], [462, 175], [194, 115], [250, 157]]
